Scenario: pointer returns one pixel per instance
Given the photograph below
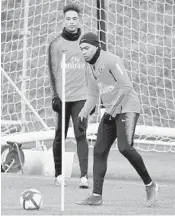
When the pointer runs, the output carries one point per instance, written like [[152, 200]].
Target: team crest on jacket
[[101, 68]]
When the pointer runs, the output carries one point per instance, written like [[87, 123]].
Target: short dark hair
[[72, 6]]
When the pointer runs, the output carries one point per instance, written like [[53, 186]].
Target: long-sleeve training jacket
[[109, 80], [75, 84]]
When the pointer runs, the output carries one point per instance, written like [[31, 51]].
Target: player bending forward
[[106, 76]]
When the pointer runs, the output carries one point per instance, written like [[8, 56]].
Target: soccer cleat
[[58, 180], [92, 200], [83, 182], [152, 194]]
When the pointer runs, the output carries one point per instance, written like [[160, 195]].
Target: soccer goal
[[140, 32]]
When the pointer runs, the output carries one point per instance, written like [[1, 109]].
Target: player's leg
[[57, 145], [105, 138], [126, 124], [82, 144], [107, 134]]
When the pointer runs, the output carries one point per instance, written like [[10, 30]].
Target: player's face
[[71, 21], [88, 51]]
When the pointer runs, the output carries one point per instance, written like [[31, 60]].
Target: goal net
[[140, 32]]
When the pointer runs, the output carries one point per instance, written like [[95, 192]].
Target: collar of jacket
[[69, 36], [95, 57]]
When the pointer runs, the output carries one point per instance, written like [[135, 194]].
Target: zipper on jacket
[[113, 75], [93, 72]]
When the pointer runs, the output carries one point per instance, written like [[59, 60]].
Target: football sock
[[95, 194], [149, 184]]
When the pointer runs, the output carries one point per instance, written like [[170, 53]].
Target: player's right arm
[[53, 66], [123, 84], [53, 62], [93, 97]]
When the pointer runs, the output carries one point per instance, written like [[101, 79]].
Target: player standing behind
[[75, 89], [108, 78]]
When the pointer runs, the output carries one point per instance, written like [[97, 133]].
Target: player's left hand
[[57, 105], [82, 123], [108, 119]]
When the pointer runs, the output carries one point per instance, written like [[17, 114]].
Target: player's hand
[[56, 104], [108, 119], [82, 123]]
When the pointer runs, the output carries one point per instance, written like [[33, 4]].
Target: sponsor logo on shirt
[[101, 69], [75, 63], [103, 89]]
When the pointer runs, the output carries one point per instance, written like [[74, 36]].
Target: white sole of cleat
[[153, 202]]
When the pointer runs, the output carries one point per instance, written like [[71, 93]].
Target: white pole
[[23, 85], [63, 129]]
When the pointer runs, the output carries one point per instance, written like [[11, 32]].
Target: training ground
[[124, 193]]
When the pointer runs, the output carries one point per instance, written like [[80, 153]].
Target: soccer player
[[75, 89], [107, 78]]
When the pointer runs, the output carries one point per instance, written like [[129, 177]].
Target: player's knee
[[125, 150]]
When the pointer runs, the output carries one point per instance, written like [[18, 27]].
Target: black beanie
[[90, 38]]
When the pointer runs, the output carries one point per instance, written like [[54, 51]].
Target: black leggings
[[122, 128], [72, 110]]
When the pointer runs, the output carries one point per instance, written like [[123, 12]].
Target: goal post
[[101, 23], [24, 65], [140, 32]]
